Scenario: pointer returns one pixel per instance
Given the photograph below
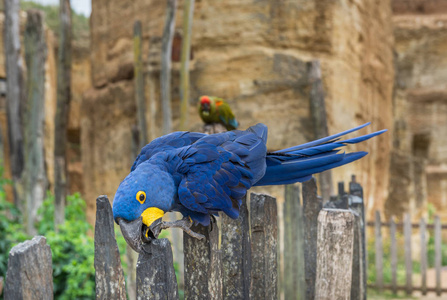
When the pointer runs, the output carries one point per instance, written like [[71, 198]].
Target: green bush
[[72, 248]]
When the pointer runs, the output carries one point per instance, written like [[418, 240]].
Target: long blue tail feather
[[299, 163]]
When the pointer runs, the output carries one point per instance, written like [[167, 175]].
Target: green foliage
[[80, 23], [72, 249]]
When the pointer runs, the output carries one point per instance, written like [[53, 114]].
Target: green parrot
[[216, 110]]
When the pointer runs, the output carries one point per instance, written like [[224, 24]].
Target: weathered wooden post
[[62, 111], [423, 230], [438, 254], [34, 176], [30, 271], [203, 266], [393, 251], [236, 256], [334, 254], [312, 205], [358, 289], [109, 276], [15, 92], [379, 251], [264, 241], [155, 272], [408, 255], [294, 285], [357, 204]]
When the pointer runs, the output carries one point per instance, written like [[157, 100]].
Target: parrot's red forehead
[[205, 99]]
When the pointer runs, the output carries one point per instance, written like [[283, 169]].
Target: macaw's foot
[[184, 224]]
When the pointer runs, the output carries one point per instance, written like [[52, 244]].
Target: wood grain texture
[[203, 267], [155, 272], [30, 272], [312, 204], [334, 254], [109, 275], [236, 255], [294, 284], [264, 243]]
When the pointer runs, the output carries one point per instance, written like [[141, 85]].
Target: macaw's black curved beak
[[137, 234]]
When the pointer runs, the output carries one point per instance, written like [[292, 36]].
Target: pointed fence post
[[312, 204], [109, 275], [264, 242], [203, 266], [30, 271], [155, 272], [236, 255]]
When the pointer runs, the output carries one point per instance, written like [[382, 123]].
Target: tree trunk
[[139, 84], [166, 52], [188, 13], [63, 105], [15, 93], [34, 177]]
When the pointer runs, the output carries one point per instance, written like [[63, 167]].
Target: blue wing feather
[[214, 172]]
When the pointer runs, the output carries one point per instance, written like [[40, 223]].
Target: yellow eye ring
[[141, 197]]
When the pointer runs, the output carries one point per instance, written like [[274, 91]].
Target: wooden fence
[[326, 245], [406, 227]]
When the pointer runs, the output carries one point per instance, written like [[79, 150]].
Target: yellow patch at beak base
[[151, 214]]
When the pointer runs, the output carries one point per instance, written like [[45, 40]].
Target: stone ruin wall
[[252, 53], [419, 156]]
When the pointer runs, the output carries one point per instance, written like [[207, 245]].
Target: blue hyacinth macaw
[[200, 175]]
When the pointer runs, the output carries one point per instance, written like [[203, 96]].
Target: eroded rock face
[[254, 54], [420, 107]]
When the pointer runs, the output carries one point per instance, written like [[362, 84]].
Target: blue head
[[148, 192]]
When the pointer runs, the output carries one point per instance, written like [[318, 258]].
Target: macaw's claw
[[184, 224]]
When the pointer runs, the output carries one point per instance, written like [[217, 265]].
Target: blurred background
[[381, 61]]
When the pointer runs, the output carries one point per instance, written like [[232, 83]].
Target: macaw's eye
[[141, 197]]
